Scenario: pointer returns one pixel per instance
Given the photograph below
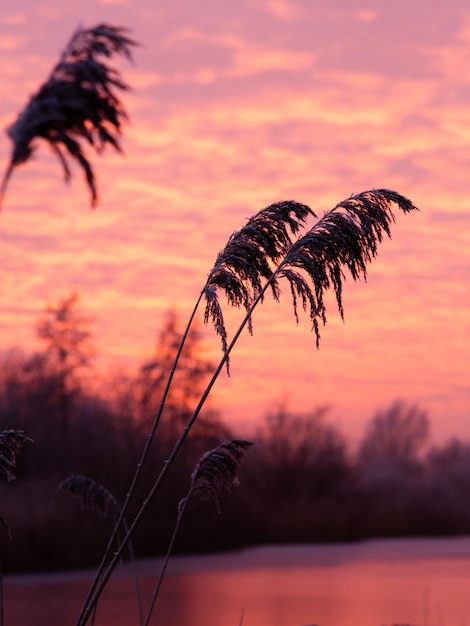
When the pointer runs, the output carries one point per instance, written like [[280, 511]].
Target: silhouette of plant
[[91, 495], [95, 498], [216, 471], [345, 238], [78, 101], [11, 443]]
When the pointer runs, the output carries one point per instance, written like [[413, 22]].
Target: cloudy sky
[[235, 105]]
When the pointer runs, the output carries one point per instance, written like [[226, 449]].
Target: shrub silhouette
[[397, 434], [276, 246]]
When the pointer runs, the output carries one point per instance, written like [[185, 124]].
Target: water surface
[[372, 583]]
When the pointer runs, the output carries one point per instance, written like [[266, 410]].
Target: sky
[[235, 105]]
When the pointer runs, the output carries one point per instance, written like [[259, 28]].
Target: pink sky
[[236, 105]]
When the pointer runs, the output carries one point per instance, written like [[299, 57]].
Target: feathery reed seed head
[[345, 237], [3, 523], [77, 101], [91, 495], [262, 253], [250, 257], [216, 470], [11, 443]]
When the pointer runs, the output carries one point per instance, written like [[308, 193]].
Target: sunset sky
[[235, 105]]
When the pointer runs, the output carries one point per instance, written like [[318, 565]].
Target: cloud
[[10, 43], [229, 56], [281, 9], [226, 117], [14, 19], [366, 15]]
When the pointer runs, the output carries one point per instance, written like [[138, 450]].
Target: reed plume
[[79, 104], [91, 495], [346, 237], [240, 269], [249, 258], [78, 101], [11, 443], [215, 472]]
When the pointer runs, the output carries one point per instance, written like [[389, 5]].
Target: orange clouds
[[233, 108]]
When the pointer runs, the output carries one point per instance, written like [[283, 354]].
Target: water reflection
[[376, 583]]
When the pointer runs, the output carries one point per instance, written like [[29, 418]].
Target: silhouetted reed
[[95, 498], [91, 495], [78, 101], [11, 443], [249, 258], [345, 238], [215, 472]]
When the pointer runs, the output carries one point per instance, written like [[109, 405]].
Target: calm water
[[375, 583]]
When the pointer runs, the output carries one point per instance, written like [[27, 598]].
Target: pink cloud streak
[[233, 109]]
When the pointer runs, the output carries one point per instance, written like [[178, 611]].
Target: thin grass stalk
[[135, 575], [94, 497], [11, 443], [1, 592], [4, 184], [216, 471], [93, 616], [101, 584], [181, 509], [5, 526], [288, 215], [135, 479], [366, 253]]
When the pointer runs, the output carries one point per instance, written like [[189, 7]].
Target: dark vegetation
[[302, 482], [304, 485]]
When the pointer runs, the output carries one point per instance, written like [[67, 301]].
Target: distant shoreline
[[278, 555]]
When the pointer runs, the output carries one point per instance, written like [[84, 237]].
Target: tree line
[[301, 482]]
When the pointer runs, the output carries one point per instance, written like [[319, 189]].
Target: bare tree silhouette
[[275, 247], [396, 434], [68, 350], [193, 368]]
